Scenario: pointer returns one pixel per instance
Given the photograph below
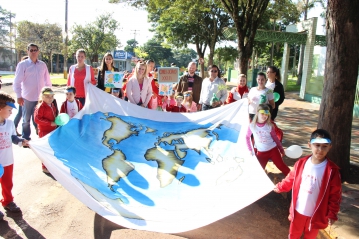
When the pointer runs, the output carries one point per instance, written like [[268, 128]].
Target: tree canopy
[[96, 37], [48, 36]]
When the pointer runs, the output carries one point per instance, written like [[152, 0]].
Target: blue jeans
[[19, 115], [27, 111]]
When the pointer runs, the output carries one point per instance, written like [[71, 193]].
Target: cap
[[69, 90], [11, 104], [320, 141], [47, 91]]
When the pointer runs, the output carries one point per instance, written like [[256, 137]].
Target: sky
[[130, 20]]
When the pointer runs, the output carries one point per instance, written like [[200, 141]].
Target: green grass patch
[[56, 79], [292, 84]]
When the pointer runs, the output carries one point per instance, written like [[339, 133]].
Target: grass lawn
[[292, 84], [56, 79]]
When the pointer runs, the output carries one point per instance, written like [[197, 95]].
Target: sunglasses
[[186, 95], [214, 71], [265, 112], [33, 50]]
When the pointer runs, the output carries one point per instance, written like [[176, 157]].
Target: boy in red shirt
[[176, 108], [316, 189], [71, 105]]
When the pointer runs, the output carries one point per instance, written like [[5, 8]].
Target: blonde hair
[[138, 65], [44, 90], [190, 99], [262, 107]]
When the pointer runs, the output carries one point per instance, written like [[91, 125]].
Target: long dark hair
[[103, 66], [276, 71]]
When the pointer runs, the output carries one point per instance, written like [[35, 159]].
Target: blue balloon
[[1, 170]]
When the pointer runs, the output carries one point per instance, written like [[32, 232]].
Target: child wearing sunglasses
[[188, 102], [266, 140]]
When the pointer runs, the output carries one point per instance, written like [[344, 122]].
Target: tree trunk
[[341, 71], [201, 49]]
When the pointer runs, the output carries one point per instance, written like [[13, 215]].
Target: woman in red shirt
[[80, 75]]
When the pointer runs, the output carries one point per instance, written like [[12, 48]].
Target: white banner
[[152, 170]]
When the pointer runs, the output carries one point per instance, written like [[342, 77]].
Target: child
[[8, 135], [169, 100], [71, 106], [188, 102], [266, 140], [178, 107], [45, 114], [116, 92], [316, 189]]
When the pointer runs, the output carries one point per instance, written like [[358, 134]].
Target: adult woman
[[239, 92], [259, 95], [106, 65], [138, 88], [274, 84], [213, 85], [79, 75]]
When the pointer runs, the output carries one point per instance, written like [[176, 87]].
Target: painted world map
[[130, 146]]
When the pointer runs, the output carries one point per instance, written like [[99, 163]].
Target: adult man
[[191, 82], [30, 77], [213, 85]]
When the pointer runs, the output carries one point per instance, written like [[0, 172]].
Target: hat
[[47, 91], [179, 95], [11, 104], [115, 90], [320, 141], [173, 64]]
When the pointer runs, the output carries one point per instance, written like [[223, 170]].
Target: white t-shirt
[[6, 154], [309, 187], [270, 85], [256, 95], [262, 137], [72, 108]]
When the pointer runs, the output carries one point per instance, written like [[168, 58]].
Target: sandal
[[12, 207]]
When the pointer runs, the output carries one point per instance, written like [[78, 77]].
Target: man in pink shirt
[[30, 77]]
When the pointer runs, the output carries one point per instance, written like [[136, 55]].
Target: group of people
[[314, 181]]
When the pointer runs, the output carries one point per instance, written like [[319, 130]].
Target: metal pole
[[66, 40]]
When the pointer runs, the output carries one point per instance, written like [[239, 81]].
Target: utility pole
[[66, 40], [134, 35]]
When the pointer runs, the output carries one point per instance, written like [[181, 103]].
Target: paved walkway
[[298, 119]]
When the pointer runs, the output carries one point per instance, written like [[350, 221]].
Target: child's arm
[[335, 196], [19, 141], [276, 140], [79, 104], [193, 107], [248, 139], [62, 109], [287, 183]]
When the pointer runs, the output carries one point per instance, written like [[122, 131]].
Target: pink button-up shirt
[[30, 78]]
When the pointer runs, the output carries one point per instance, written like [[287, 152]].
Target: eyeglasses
[[214, 71], [33, 50]]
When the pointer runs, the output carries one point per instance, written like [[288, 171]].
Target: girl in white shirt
[[259, 95], [266, 140]]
